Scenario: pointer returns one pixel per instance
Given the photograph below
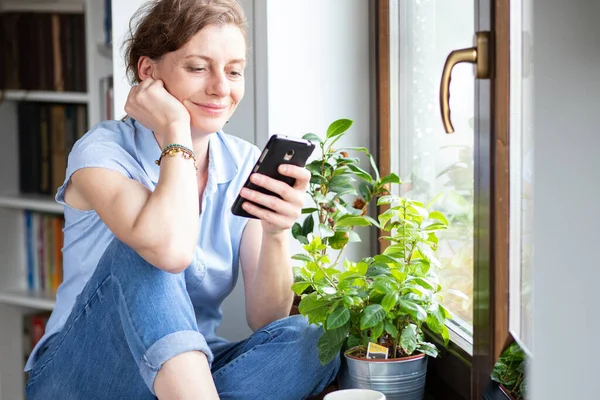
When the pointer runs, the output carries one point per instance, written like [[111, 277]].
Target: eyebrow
[[206, 58]]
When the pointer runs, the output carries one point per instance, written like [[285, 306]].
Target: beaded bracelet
[[174, 148]]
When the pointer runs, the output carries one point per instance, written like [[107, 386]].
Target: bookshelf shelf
[[31, 202], [24, 298], [47, 96]]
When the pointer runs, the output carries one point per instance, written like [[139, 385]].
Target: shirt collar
[[222, 165], [221, 162]]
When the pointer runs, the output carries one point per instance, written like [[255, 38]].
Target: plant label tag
[[375, 351]]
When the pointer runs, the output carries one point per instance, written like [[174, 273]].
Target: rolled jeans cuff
[[167, 348]]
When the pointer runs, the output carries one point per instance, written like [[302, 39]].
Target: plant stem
[[337, 259]]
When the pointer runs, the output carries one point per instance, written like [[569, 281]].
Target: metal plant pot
[[398, 379]]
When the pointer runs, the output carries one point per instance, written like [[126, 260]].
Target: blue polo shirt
[[131, 149]]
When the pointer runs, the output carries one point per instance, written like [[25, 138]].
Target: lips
[[211, 108]]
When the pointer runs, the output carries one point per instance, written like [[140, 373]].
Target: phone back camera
[[288, 156]]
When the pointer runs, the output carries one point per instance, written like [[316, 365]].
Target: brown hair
[[163, 26]]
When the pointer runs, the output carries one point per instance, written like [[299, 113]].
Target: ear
[[146, 68]]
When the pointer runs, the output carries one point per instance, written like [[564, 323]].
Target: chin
[[207, 127]]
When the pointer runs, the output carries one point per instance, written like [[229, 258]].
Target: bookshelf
[[16, 300], [46, 96]]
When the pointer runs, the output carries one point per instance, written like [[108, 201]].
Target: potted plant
[[508, 376], [385, 299]]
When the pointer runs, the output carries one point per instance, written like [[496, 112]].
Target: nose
[[219, 85]]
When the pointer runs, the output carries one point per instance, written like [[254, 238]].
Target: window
[[522, 175], [431, 163]]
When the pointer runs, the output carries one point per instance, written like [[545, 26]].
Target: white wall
[[567, 162]]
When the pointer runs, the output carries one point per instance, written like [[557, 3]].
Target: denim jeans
[[132, 317]]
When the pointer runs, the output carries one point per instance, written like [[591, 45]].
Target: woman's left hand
[[285, 211]]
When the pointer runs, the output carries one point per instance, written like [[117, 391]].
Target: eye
[[196, 69], [236, 73]]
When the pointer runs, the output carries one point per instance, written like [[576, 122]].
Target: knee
[[133, 272], [306, 338]]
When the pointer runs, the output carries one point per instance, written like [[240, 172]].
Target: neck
[[200, 144]]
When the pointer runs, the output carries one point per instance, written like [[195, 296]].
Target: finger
[[266, 215], [284, 190], [274, 203], [301, 174], [145, 83]]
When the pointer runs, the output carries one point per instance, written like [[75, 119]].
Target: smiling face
[[206, 75]]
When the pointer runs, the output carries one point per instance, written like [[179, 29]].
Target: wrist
[[281, 236], [176, 133]]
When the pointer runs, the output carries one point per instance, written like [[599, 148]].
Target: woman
[[151, 248]]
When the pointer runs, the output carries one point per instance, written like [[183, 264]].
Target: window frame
[[457, 374]]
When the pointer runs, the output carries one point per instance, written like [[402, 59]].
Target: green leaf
[[362, 268], [354, 341], [300, 287], [359, 149], [372, 315], [366, 190], [371, 220], [312, 137], [391, 178], [329, 347], [374, 166], [308, 225], [388, 199], [338, 240], [438, 216], [297, 230], [428, 349], [352, 220], [445, 335], [413, 309], [389, 301], [408, 339], [301, 257], [361, 173], [391, 329], [376, 332], [338, 127], [309, 210], [326, 231], [399, 275], [313, 305], [338, 318], [314, 166]]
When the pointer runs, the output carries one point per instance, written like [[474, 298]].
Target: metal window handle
[[478, 55]]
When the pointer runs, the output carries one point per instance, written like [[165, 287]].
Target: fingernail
[[283, 168]]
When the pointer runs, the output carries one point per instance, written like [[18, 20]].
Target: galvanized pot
[[398, 379]]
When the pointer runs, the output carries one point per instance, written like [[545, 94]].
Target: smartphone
[[278, 150]]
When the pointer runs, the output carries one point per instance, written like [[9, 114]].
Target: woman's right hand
[[155, 108]]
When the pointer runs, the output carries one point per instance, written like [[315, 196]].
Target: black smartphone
[[278, 150]]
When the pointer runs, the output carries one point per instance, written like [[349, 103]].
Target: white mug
[[355, 394]]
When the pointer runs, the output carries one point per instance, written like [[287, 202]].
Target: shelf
[[74, 6], [31, 202], [46, 96], [23, 298]]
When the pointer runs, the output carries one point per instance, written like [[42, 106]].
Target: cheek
[[237, 92], [180, 85]]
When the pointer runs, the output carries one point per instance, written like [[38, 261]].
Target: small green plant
[[335, 177], [385, 299], [509, 371]]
